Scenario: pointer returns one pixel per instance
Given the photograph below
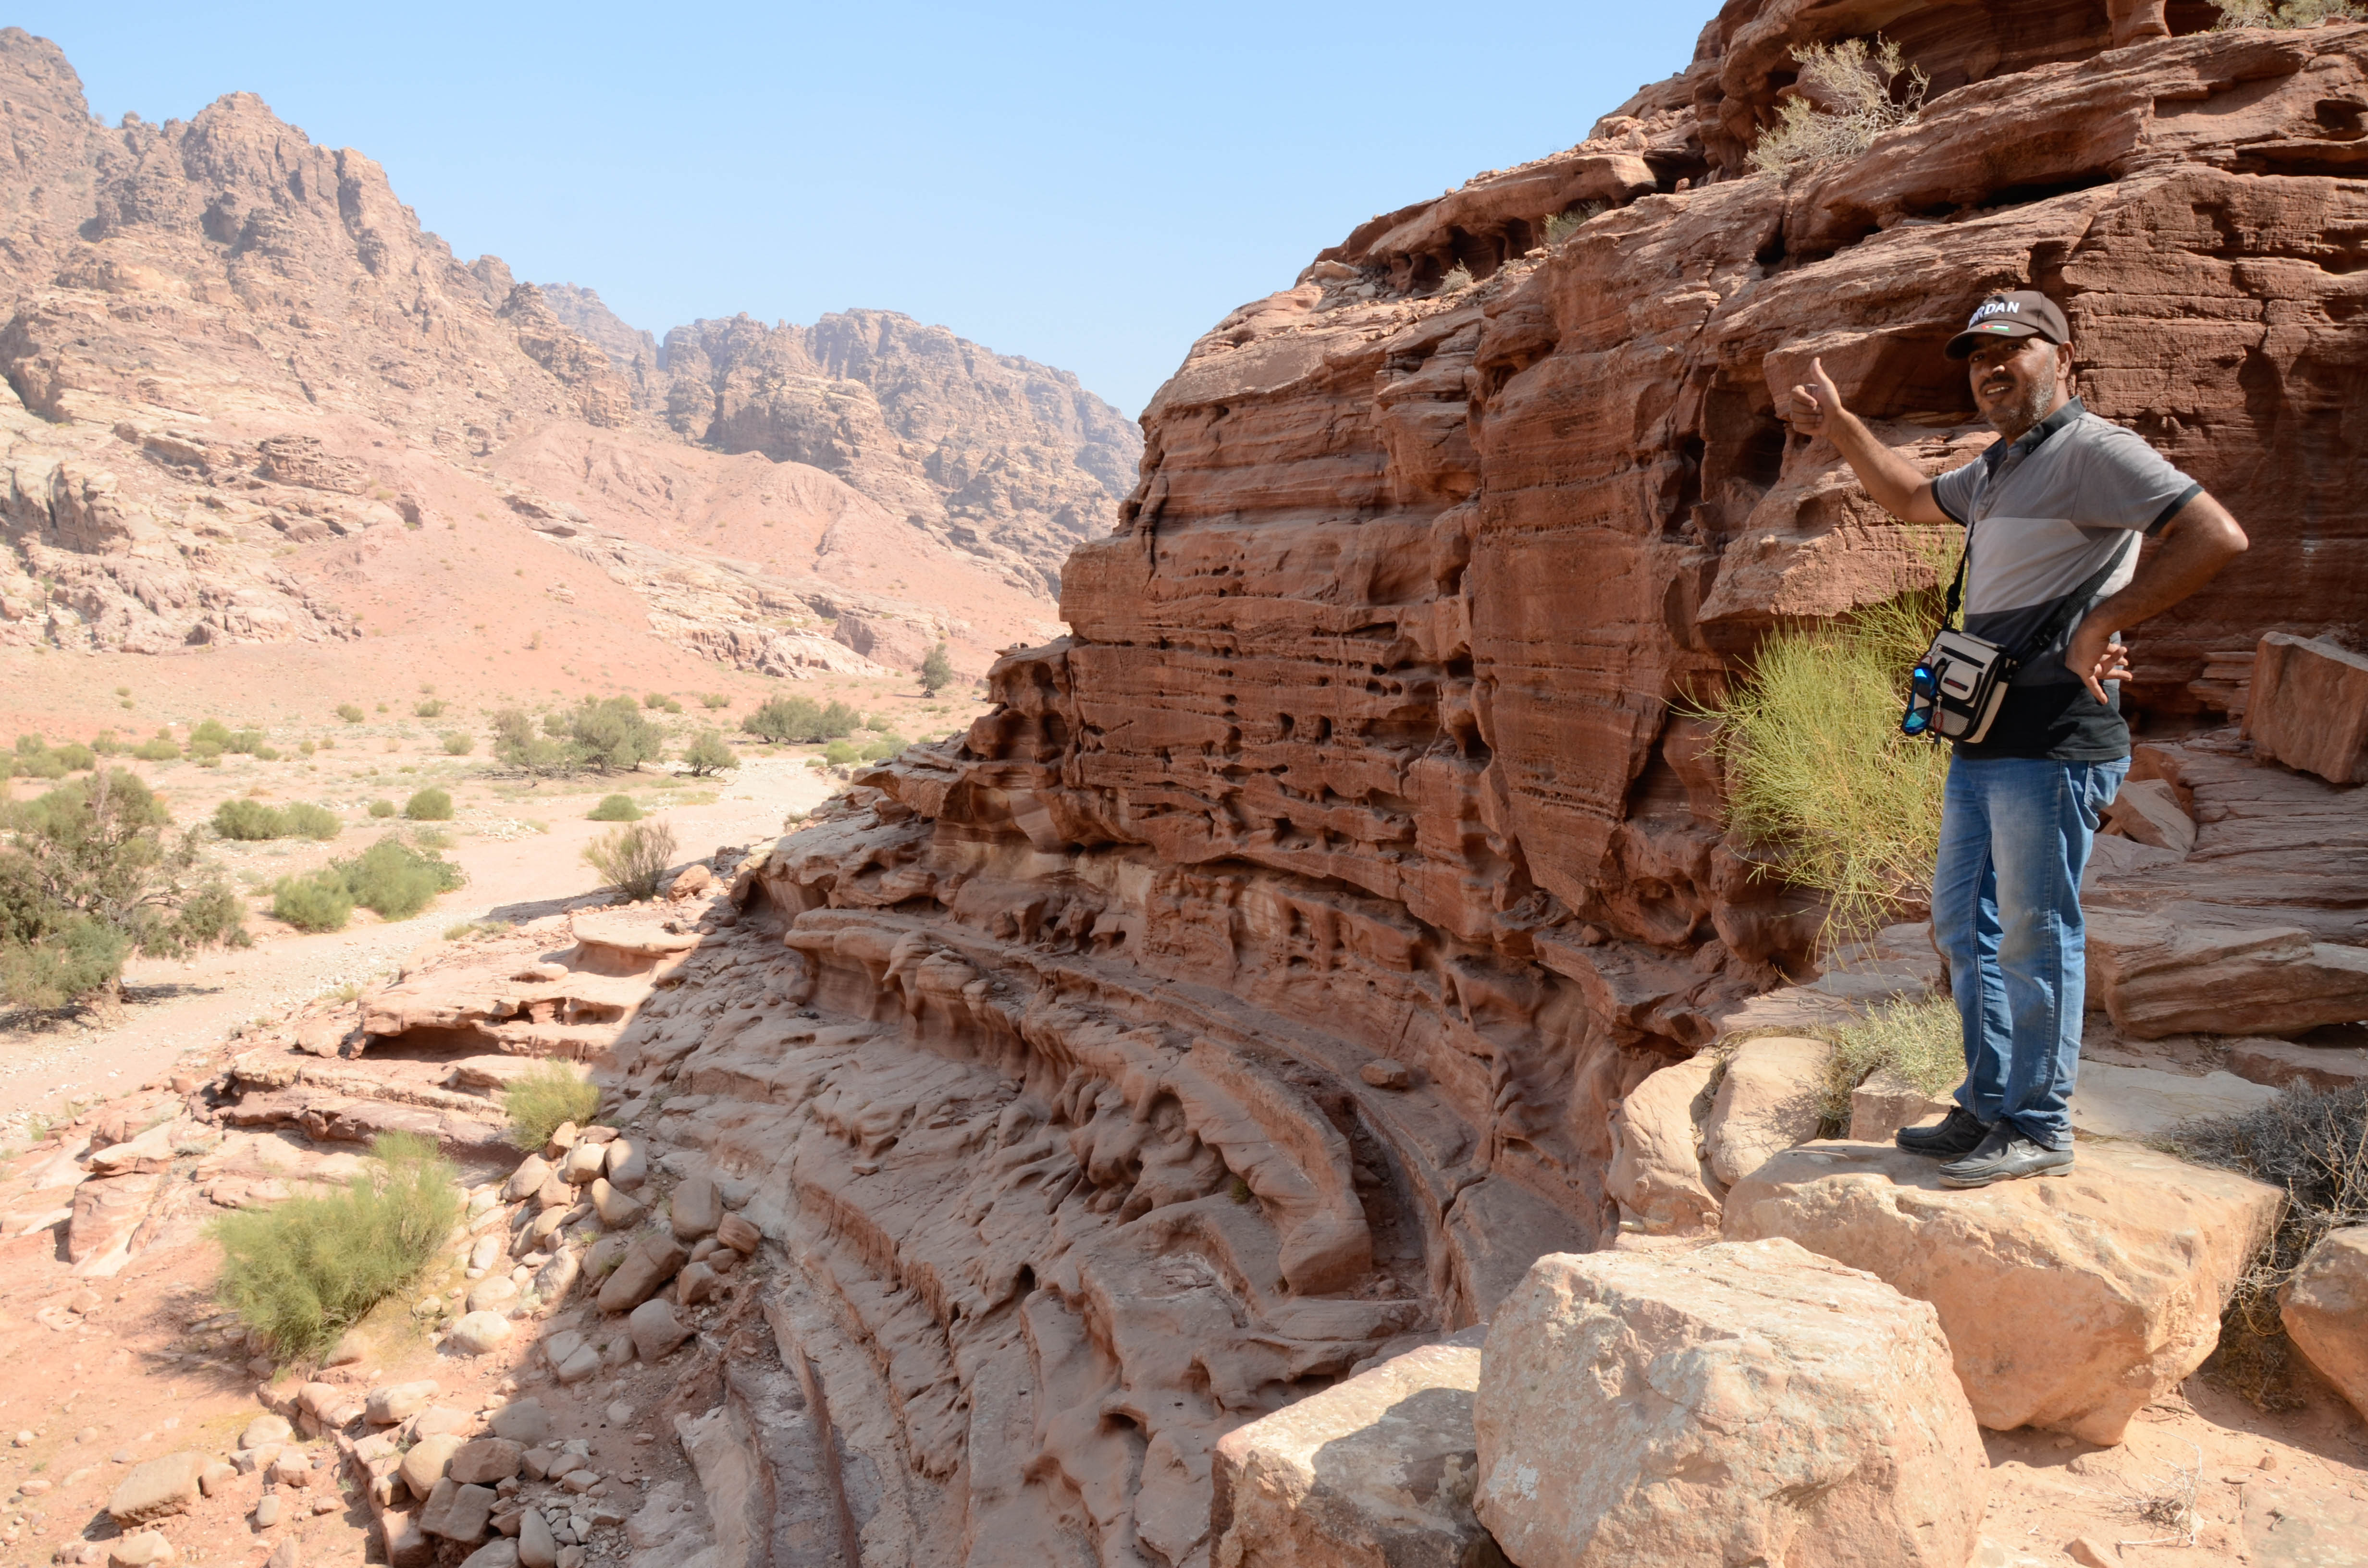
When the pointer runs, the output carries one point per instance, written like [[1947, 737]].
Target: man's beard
[[2027, 410]]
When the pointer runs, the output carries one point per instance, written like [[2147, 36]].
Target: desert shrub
[[300, 1272], [1864, 91], [247, 743], [539, 1099], [672, 706], [708, 755], [430, 805], [634, 857], [2285, 13], [431, 838], [1817, 773], [42, 762], [655, 699], [886, 747], [161, 747], [1923, 1040], [788, 718], [462, 930], [213, 732], [205, 754], [711, 700], [88, 878], [76, 756], [104, 743], [614, 808], [2314, 1143], [381, 808], [1562, 225], [613, 734], [459, 743], [839, 754], [350, 713], [248, 821], [1457, 279], [517, 744], [429, 708], [395, 879], [306, 820], [937, 669], [314, 902]]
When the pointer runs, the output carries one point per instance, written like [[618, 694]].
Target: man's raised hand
[[1816, 402]]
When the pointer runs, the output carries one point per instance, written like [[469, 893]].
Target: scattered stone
[[627, 1167], [1377, 1469], [1767, 1101], [584, 1163], [422, 1465], [1657, 1174], [2279, 1062], [161, 1486], [525, 1181], [142, 1549], [264, 1430], [288, 1553], [479, 1332], [408, 1545], [2324, 1308], [1889, 1100], [87, 1435], [2091, 1553], [499, 1553], [214, 1480], [348, 1349], [521, 1421], [438, 1421], [457, 1511], [290, 1468], [569, 1557], [554, 1193], [563, 1138], [1741, 1403], [556, 1278], [536, 1549], [580, 1480], [485, 1251], [496, 1290], [655, 1329], [2308, 706], [2070, 1302], [647, 1265], [739, 1234], [266, 1513], [485, 1461], [695, 1284], [394, 1402], [1383, 1073], [122, 1456], [696, 1210], [617, 1209]]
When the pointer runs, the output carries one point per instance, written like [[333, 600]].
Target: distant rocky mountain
[[248, 393]]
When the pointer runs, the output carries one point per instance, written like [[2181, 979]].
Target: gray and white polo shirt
[[2044, 513]]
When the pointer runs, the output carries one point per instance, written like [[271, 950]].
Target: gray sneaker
[[2005, 1156], [1959, 1133]]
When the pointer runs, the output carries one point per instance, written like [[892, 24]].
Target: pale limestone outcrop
[[2325, 1310], [1378, 1469], [2069, 1303], [1742, 1403]]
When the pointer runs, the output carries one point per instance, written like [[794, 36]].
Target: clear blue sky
[[1092, 187]]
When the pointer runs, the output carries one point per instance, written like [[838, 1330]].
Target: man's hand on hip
[[2095, 656]]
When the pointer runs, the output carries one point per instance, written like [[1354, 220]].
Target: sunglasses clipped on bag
[[1923, 702]]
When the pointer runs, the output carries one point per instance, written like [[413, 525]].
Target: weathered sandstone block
[[2308, 706], [1657, 1174], [2070, 1302], [2324, 1308], [1378, 1469], [2148, 809], [1768, 1100], [2156, 975], [160, 1486], [1744, 1403]]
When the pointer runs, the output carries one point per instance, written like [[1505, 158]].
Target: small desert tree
[[634, 857], [708, 755], [614, 734], [88, 878], [516, 743], [1847, 94], [936, 671]]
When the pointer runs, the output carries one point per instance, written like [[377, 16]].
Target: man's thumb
[[1817, 364]]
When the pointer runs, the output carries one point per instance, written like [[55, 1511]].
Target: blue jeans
[[2005, 913]]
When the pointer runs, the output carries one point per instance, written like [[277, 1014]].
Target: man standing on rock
[[2046, 508]]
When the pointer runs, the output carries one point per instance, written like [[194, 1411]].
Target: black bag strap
[[2076, 603]]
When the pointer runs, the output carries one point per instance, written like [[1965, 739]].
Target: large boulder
[[2324, 1308], [1378, 1469], [2308, 706], [2159, 975], [696, 1210], [649, 1265], [1768, 1100], [1657, 1174], [1739, 1402], [2070, 1302]]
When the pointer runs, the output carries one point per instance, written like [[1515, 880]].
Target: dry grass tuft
[[538, 1101]]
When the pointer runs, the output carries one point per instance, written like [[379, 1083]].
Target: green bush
[[459, 743], [432, 708], [249, 742], [613, 734], [396, 879], [886, 747], [161, 748], [839, 754], [76, 756], [1817, 772], [104, 743], [43, 763], [300, 1272], [655, 699], [634, 857], [937, 669], [516, 743], [88, 878], [788, 718], [316, 902], [381, 808], [539, 1099], [213, 732], [306, 820], [248, 821], [614, 808], [350, 713], [711, 700], [708, 755], [430, 805]]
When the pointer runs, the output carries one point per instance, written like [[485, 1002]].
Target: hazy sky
[[1092, 187]]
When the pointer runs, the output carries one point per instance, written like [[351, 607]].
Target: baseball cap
[[2021, 312]]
